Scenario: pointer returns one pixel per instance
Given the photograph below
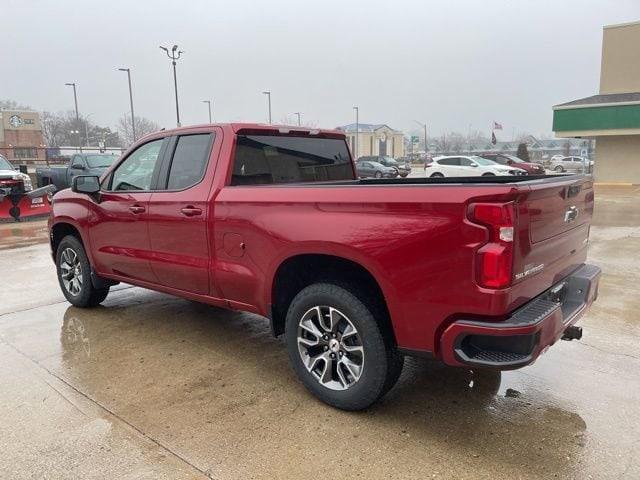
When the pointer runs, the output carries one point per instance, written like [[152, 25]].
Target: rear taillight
[[494, 260]]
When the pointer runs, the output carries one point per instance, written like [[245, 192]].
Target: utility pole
[[133, 117], [208, 102], [298, 114], [75, 100], [174, 55], [357, 130], [268, 94]]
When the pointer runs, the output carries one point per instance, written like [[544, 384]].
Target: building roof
[[365, 127], [600, 100]]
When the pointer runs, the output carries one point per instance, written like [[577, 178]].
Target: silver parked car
[[571, 164]]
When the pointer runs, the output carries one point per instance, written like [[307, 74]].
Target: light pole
[[423, 125], [268, 94], [208, 102], [174, 55], [298, 114], [133, 117], [75, 100], [86, 129], [357, 129]]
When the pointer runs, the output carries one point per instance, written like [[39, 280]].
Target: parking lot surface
[[151, 386]]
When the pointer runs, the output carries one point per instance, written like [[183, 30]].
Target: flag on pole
[[497, 126], [494, 140]]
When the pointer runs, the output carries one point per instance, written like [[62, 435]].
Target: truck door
[[178, 213], [118, 231]]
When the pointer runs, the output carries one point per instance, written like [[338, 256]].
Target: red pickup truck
[[476, 272]]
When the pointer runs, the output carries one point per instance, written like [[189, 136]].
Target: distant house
[[374, 139]]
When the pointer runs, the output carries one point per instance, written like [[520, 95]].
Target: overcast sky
[[453, 64]]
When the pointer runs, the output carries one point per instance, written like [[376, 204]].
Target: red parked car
[[476, 272], [504, 159]]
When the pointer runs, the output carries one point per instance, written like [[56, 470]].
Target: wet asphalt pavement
[[150, 386]]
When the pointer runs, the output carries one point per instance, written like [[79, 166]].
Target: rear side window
[[449, 161], [269, 159], [189, 161]]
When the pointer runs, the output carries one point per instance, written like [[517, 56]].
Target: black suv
[[403, 169]]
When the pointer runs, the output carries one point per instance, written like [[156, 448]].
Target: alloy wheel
[[71, 271], [330, 347]]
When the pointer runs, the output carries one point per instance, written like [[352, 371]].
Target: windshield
[[483, 161], [97, 161], [4, 164]]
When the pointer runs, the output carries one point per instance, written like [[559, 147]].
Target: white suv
[[468, 166]]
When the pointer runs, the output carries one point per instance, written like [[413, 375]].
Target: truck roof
[[240, 126]]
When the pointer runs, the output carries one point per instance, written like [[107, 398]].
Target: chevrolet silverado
[[356, 274]]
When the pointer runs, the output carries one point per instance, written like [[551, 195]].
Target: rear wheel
[[74, 274], [338, 349], [437, 175], [488, 174], [559, 169], [378, 175]]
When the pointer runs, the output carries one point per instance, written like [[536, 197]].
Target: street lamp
[[298, 114], [423, 125], [208, 102], [75, 100], [174, 55], [86, 128], [357, 129], [133, 117], [268, 94]]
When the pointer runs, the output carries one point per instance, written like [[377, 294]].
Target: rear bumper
[[528, 332]]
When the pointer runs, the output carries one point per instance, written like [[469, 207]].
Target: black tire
[[559, 169], [87, 295], [488, 174], [378, 175], [437, 175], [382, 363]]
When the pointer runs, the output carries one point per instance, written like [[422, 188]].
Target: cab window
[[135, 173]]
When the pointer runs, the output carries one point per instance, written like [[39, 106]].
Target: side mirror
[[473, 165], [88, 184], [78, 166]]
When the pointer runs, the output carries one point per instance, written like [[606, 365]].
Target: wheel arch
[[303, 269], [65, 227]]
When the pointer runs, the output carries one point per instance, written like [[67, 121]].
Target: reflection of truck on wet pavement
[[472, 271], [79, 164]]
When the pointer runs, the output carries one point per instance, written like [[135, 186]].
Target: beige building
[[377, 139], [21, 137], [613, 116]]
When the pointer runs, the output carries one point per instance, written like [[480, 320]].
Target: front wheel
[[488, 174], [338, 349], [559, 169], [74, 274], [378, 175], [437, 175]]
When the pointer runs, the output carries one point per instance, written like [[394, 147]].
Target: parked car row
[[468, 166], [381, 166]]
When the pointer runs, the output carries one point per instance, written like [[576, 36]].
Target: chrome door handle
[[137, 209], [191, 211]]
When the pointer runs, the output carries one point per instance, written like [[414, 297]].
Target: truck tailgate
[[553, 226]]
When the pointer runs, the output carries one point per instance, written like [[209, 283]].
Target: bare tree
[[144, 126], [12, 105], [59, 129]]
